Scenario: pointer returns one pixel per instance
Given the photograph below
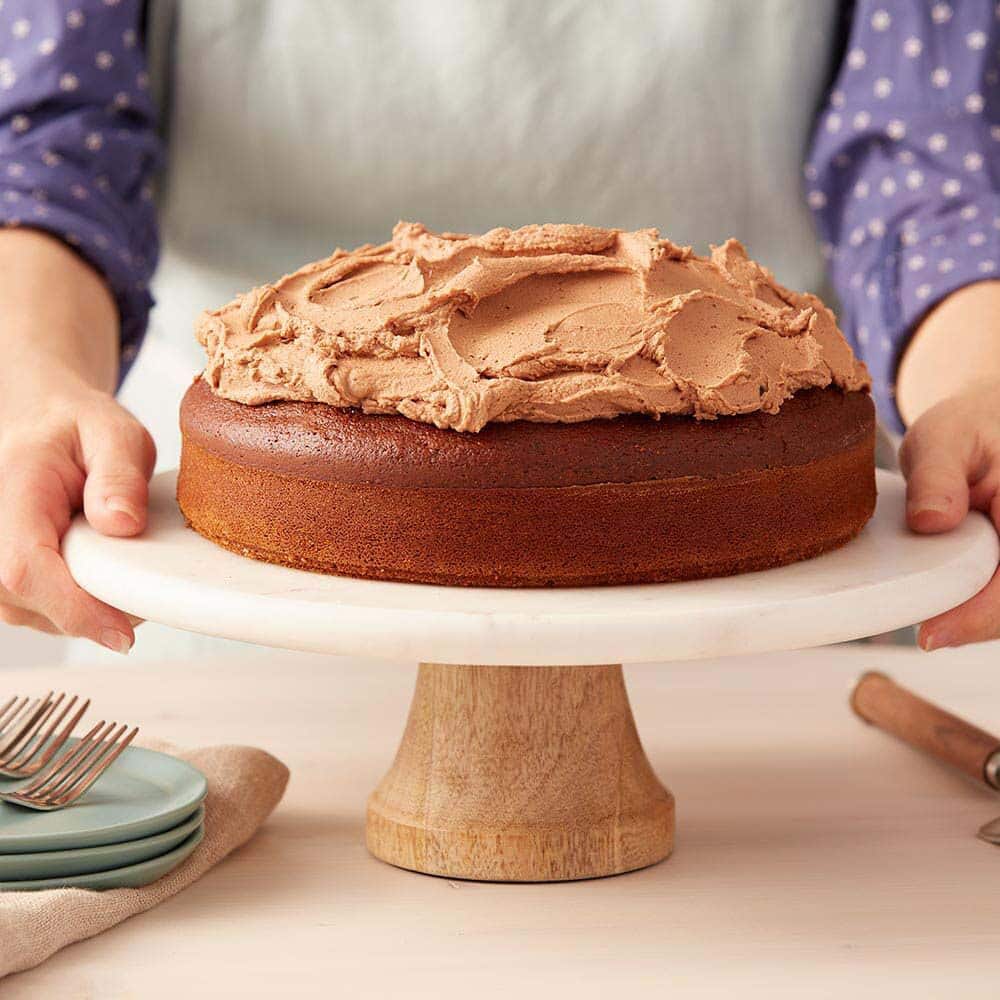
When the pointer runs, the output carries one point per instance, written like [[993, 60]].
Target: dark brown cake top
[[329, 444]]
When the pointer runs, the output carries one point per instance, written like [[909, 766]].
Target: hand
[[951, 460], [65, 445]]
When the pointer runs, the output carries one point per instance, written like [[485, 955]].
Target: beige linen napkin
[[244, 786]]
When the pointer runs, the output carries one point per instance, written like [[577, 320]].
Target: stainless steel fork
[[27, 744], [68, 777]]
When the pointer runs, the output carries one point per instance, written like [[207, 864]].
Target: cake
[[555, 405]]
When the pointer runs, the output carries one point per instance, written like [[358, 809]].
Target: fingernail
[[122, 506], [929, 641], [932, 505], [117, 642]]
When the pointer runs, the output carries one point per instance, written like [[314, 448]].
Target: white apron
[[295, 126]]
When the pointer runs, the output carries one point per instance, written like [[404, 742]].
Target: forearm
[[57, 314], [957, 345], [64, 441], [947, 389]]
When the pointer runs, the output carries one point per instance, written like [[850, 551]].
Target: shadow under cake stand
[[520, 760]]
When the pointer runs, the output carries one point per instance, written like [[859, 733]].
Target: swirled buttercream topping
[[555, 323]]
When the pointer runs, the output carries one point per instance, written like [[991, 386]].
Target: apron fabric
[[296, 126]]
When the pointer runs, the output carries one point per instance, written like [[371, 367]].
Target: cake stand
[[520, 760]]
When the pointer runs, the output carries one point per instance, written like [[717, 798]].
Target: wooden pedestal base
[[520, 774]]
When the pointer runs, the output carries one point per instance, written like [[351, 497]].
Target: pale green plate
[[129, 877], [141, 794], [83, 860]]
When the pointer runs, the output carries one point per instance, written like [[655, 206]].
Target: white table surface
[[886, 578], [816, 857]]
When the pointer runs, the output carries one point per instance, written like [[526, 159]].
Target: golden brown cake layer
[[528, 504]]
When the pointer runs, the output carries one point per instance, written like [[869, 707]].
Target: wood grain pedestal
[[520, 774]]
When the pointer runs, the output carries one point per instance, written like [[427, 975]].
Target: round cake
[[549, 406]]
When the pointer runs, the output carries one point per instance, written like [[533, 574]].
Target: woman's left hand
[[951, 459]]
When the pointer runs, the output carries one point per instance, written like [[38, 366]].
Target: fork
[[24, 744], [68, 777]]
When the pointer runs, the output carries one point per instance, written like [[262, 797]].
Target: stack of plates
[[142, 819]]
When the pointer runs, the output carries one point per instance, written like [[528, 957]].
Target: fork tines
[[67, 778], [27, 744], [17, 715]]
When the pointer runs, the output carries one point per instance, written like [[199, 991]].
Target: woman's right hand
[[65, 446]]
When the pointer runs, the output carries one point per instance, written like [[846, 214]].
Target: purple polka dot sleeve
[[78, 141], [904, 170]]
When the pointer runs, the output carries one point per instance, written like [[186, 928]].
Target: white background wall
[[21, 648]]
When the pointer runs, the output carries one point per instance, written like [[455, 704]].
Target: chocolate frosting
[[550, 323]]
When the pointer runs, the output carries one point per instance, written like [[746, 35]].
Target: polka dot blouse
[[78, 140], [904, 170]]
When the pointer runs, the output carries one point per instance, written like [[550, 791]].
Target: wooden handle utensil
[[881, 701]]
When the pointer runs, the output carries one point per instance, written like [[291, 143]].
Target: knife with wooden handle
[[878, 699]]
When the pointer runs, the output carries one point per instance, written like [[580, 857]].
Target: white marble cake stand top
[[884, 579]]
